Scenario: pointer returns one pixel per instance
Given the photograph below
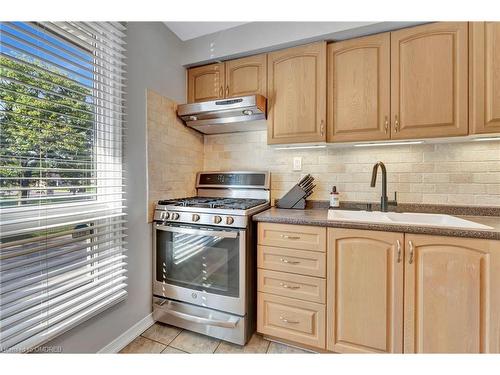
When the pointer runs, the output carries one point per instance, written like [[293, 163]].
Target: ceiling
[[191, 30]]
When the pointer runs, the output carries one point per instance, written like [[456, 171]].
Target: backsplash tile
[[450, 173], [175, 152]]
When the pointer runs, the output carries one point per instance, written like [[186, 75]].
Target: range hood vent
[[240, 114]]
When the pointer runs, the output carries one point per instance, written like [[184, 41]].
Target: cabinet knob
[[396, 123], [221, 91], [322, 128], [227, 91], [386, 124]]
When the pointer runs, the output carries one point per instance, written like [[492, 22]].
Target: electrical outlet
[[297, 163]]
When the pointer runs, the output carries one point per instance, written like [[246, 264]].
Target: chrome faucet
[[384, 201]]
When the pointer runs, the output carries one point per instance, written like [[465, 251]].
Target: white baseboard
[[129, 335]]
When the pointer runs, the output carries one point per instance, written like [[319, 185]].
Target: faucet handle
[[395, 201]]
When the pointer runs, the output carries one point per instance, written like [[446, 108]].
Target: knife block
[[295, 198]]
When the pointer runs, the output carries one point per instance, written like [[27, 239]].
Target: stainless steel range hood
[[240, 114]]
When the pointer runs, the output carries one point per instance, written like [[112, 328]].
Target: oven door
[[201, 265]]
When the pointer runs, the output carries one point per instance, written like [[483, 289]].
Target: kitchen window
[[62, 206]]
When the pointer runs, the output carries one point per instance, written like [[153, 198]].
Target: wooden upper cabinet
[[358, 93], [246, 76], [484, 77], [451, 295], [206, 82], [429, 81], [364, 291], [296, 83]]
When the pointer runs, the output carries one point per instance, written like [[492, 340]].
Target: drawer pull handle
[[285, 320], [288, 261], [287, 237], [286, 286]]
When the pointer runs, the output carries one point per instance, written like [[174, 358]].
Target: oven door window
[[199, 260]]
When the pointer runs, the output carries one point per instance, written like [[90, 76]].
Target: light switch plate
[[297, 163]]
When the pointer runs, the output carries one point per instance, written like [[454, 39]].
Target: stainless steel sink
[[406, 218]]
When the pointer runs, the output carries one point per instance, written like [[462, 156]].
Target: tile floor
[[166, 339]]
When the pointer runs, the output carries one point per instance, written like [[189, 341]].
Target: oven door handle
[[211, 233], [231, 323]]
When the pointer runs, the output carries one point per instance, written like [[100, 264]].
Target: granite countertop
[[319, 217]]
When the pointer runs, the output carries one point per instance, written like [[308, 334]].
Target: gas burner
[[214, 202]]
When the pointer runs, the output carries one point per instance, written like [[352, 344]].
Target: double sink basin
[[405, 218]]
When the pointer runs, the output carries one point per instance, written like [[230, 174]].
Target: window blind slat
[[29, 294], [26, 45], [51, 319], [67, 321], [32, 314], [111, 94], [22, 304], [108, 58], [62, 203], [58, 269], [23, 53], [106, 106], [53, 45], [55, 252]]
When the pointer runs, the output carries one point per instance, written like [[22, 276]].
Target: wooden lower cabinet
[[291, 319], [385, 293], [365, 291], [452, 295]]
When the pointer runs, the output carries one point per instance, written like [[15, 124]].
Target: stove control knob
[[164, 215], [217, 219], [175, 216], [196, 217], [229, 220]]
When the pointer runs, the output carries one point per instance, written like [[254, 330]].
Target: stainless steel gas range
[[204, 260]]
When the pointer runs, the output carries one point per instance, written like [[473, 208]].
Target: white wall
[[257, 37], [153, 61]]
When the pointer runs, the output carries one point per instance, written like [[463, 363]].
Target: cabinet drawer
[[291, 285], [291, 319], [292, 236], [291, 260]]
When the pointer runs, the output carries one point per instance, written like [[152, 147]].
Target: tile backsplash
[[465, 173], [175, 152]]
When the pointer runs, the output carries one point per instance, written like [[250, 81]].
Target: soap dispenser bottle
[[334, 198]]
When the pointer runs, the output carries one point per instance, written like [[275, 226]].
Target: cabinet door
[[451, 295], [429, 81], [206, 83], [358, 94], [364, 291], [296, 85], [484, 77], [246, 76]]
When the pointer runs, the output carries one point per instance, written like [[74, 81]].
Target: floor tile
[[163, 333], [277, 348], [257, 344], [170, 350], [194, 343], [143, 345]]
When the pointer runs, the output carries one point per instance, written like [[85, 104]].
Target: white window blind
[[62, 207]]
